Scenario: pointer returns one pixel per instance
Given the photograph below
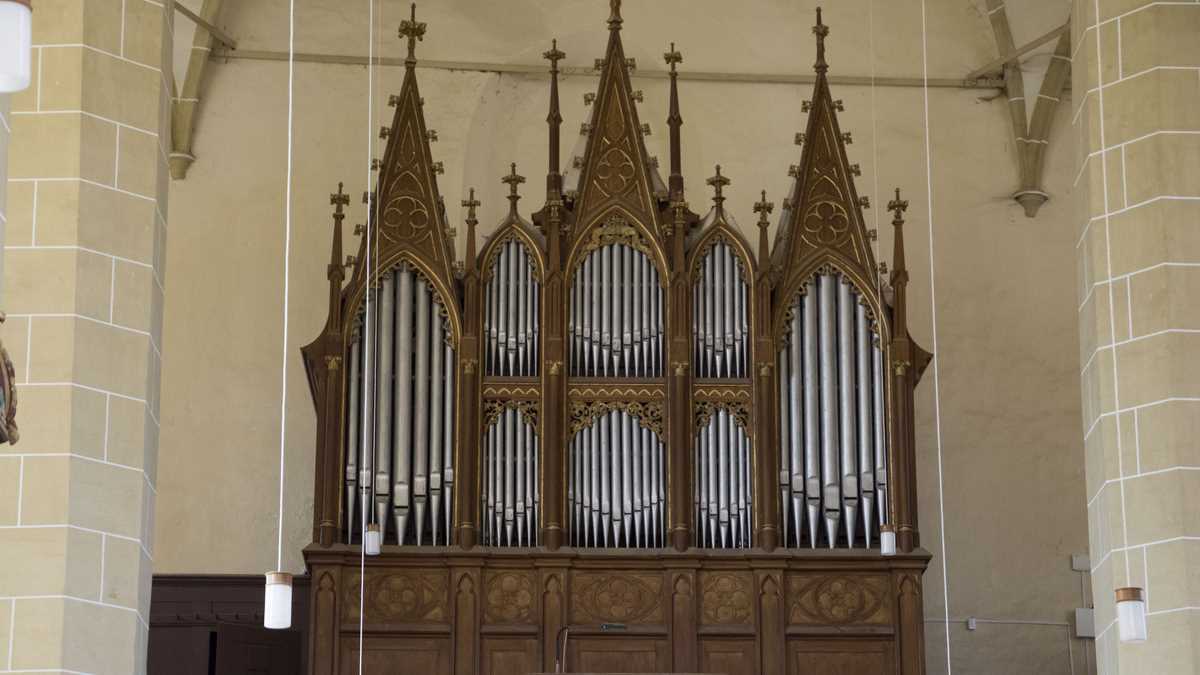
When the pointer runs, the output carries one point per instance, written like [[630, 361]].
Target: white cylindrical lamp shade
[[372, 540], [887, 540], [277, 607], [1131, 614], [16, 39]]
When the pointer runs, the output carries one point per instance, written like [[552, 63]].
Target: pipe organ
[[615, 410], [833, 464]]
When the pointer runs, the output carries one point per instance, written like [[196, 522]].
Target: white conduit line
[[368, 396], [1112, 324], [287, 249], [937, 400], [874, 141]]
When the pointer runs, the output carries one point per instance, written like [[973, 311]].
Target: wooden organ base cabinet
[[615, 437]]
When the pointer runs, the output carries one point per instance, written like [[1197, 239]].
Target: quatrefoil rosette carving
[[826, 223], [839, 599], [509, 598], [405, 217], [615, 172]]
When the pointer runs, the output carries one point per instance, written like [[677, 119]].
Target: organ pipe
[[387, 322]]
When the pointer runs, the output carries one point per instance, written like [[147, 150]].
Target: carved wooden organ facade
[[615, 412]]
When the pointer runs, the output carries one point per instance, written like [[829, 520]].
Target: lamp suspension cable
[[937, 399], [277, 605], [887, 531], [369, 395]]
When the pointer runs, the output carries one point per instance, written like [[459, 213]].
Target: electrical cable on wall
[[370, 535], [937, 400]]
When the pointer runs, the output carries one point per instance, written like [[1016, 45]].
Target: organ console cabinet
[[615, 415]]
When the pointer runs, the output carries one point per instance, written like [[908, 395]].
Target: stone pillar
[[1136, 96], [83, 288]]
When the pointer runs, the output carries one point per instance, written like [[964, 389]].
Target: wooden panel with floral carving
[[598, 597], [410, 596], [839, 599], [726, 598], [509, 597]]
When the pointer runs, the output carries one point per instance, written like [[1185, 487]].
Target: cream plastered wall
[[1010, 469]]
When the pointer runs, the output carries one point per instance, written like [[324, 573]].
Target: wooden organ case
[[616, 417]]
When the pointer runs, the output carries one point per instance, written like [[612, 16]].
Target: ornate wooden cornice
[[823, 223], [615, 166], [407, 210]]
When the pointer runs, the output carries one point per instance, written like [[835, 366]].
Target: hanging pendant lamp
[[16, 39]]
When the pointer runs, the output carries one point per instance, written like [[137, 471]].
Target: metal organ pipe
[[866, 454], [388, 322], [353, 413], [848, 429], [831, 407]]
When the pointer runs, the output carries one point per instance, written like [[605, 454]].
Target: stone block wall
[[1137, 119], [83, 288]]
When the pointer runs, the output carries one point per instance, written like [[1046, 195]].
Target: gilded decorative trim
[[615, 230], [511, 391], [718, 235], [722, 392], [603, 392], [832, 268], [493, 409], [649, 415], [704, 411], [507, 234]]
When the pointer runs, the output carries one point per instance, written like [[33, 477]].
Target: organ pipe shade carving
[[511, 313], [833, 475], [400, 430], [720, 314], [615, 324], [615, 487]]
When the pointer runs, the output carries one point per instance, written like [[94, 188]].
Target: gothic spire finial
[[554, 119], [674, 121], [553, 56], [513, 180], [673, 57], [820, 30], [614, 17], [764, 208], [414, 32], [718, 182], [469, 204], [899, 269], [338, 201]]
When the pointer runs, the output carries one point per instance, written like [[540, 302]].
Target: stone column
[[83, 288], [1136, 96]]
